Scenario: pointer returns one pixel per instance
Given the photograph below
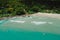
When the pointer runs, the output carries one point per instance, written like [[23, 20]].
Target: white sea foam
[[0, 21], [38, 23], [50, 22], [17, 21], [30, 17]]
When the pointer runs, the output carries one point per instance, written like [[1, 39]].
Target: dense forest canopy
[[16, 7]]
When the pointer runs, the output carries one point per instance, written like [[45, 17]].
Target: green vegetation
[[17, 7]]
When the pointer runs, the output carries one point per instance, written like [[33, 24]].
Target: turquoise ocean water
[[30, 28]]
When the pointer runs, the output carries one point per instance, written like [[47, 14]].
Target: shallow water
[[30, 28]]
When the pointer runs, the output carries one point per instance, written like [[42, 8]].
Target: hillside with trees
[[20, 7]]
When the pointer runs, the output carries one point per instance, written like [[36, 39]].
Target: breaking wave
[[17, 21]]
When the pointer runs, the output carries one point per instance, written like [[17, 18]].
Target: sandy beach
[[51, 15]]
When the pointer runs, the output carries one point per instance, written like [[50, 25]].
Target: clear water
[[30, 28]]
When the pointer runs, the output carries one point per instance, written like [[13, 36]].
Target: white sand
[[47, 15]]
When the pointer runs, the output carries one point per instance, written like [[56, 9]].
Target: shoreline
[[50, 15]]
